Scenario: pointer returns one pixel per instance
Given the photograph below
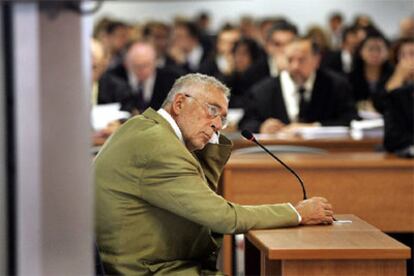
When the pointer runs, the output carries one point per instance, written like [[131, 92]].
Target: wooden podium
[[374, 186], [355, 248]]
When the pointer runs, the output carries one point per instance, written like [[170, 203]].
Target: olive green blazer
[[156, 206]]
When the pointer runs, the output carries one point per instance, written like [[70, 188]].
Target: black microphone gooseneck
[[249, 136]]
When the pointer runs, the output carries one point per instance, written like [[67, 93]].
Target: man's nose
[[294, 65], [217, 124]]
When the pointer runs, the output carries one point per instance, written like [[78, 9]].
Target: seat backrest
[[280, 149]]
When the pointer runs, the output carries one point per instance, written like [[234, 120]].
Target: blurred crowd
[[277, 75]]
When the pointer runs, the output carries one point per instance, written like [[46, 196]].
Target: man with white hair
[[156, 181], [149, 84]]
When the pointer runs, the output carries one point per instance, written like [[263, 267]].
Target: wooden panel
[[379, 188], [376, 187], [356, 240], [343, 144], [269, 267], [343, 268]]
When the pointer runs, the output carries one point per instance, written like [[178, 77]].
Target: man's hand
[[315, 210], [271, 126]]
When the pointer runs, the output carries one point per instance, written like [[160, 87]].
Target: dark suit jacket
[[112, 89], [331, 102], [333, 61], [362, 91], [210, 67], [119, 71], [164, 81], [186, 68], [258, 71], [399, 118]]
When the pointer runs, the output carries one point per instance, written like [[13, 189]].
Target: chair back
[[280, 149]]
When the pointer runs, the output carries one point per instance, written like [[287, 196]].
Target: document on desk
[[103, 114], [342, 221], [367, 128], [319, 132]]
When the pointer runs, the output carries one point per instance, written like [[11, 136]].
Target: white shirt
[[291, 95], [194, 57], [172, 122], [222, 64], [346, 59], [167, 116], [274, 71]]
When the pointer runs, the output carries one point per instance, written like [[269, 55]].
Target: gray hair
[[195, 79]]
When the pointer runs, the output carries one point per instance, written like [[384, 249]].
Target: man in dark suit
[[280, 34], [106, 88], [187, 49], [148, 84], [302, 95], [341, 60]]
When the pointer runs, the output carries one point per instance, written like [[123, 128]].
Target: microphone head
[[248, 135]]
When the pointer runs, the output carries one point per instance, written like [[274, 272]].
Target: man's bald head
[[141, 60], [99, 59]]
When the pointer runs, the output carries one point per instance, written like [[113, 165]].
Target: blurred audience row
[[280, 78]]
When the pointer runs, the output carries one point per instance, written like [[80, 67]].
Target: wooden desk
[[379, 188], [342, 144], [339, 249]]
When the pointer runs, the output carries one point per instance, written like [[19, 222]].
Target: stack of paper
[[367, 128], [103, 114], [322, 132]]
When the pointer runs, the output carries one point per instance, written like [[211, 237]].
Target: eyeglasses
[[212, 110]]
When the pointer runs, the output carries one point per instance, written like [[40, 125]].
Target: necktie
[[140, 102], [302, 105]]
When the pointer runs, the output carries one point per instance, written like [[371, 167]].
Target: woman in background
[[399, 112], [371, 70], [245, 52]]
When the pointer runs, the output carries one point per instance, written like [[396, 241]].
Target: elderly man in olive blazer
[[155, 178]]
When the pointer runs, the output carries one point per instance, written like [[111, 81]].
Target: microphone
[[249, 136]]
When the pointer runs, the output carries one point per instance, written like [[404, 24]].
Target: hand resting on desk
[[315, 210]]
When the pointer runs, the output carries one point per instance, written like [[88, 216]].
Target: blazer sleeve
[[212, 159], [176, 183]]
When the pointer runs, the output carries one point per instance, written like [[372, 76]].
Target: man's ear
[[178, 103], [318, 59]]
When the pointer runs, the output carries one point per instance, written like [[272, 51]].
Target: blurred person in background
[[248, 28], [116, 38], [407, 27], [341, 60], [318, 35], [221, 64], [279, 35], [159, 33], [148, 84], [245, 52], [203, 22], [186, 49], [303, 95], [336, 26], [399, 111], [105, 87], [371, 71]]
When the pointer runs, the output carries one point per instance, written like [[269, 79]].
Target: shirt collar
[[172, 122], [308, 85], [194, 57]]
